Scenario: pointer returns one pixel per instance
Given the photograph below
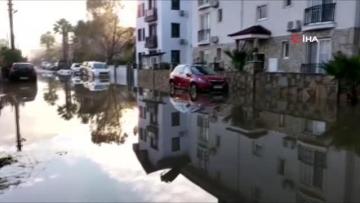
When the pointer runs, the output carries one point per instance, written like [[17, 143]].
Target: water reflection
[[271, 151], [17, 95]]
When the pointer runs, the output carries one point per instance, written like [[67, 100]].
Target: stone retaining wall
[[280, 86]]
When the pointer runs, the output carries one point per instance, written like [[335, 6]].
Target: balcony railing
[[151, 42], [151, 15], [312, 68], [204, 35], [320, 13]]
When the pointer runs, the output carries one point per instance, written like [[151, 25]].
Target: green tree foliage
[[347, 70], [63, 27], [9, 56], [47, 40], [101, 38], [238, 58]]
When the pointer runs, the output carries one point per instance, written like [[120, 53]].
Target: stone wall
[[157, 80], [270, 86]]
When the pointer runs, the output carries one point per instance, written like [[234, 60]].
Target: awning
[[253, 32]]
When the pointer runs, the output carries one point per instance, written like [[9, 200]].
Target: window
[[175, 119], [175, 56], [143, 34], [281, 167], [218, 53], [175, 4], [175, 30], [218, 141], [204, 21], [219, 15], [152, 30], [287, 2], [175, 144], [140, 10], [285, 49], [139, 35], [262, 12]]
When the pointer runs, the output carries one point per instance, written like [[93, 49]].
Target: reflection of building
[[259, 156], [163, 133]]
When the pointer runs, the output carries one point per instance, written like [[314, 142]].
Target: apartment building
[[275, 29], [163, 33]]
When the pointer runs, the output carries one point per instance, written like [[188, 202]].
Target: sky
[[35, 17]]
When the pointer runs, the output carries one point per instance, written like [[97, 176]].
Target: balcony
[[151, 42], [151, 15], [319, 17], [312, 68], [204, 36], [202, 4]]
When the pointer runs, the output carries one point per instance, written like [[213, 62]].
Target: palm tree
[[63, 27], [347, 71], [238, 58], [47, 40]]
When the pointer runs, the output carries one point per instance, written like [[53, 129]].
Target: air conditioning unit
[[294, 26], [183, 42], [214, 3], [214, 39], [182, 13]]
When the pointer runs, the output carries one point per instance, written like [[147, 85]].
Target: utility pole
[[11, 12]]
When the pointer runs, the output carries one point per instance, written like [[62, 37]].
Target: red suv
[[196, 78]]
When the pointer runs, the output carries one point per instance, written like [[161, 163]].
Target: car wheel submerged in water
[[172, 88], [193, 91]]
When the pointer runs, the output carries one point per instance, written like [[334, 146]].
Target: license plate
[[218, 86], [24, 78]]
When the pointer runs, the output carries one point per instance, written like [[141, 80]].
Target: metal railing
[[204, 35], [151, 42], [320, 13], [151, 15]]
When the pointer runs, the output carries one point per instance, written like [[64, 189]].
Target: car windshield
[[100, 66], [23, 65], [201, 70]]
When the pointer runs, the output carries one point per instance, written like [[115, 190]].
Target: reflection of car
[[23, 92], [185, 104], [64, 72], [75, 67], [76, 80], [22, 71], [97, 85], [94, 69], [196, 78]]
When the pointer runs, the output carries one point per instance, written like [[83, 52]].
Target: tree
[[63, 27], [108, 40], [347, 71], [8, 57], [47, 40], [238, 58]]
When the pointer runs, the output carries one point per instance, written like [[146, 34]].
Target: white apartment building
[[268, 25], [163, 32]]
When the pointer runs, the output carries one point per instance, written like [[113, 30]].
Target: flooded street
[[102, 142]]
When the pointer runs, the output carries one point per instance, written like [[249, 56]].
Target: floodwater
[[103, 142]]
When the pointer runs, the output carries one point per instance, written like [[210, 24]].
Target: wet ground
[[104, 142]]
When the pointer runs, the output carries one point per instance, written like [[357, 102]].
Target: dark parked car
[[22, 71], [196, 78]]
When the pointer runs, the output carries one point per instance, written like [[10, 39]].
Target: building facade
[[163, 33], [275, 29]]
